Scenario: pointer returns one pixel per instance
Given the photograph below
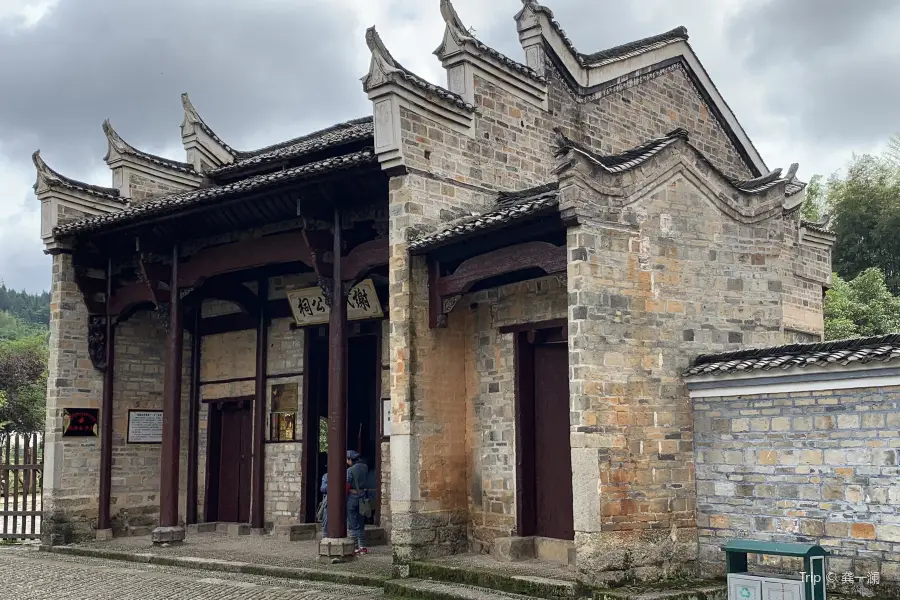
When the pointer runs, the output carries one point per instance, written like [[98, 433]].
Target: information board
[[145, 426]]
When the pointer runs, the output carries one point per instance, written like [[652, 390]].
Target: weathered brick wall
[[71, 465], [428, 463], [491, 394], [811, 467], [143, 187], [138, 384], [810, 270], [620, 119], [665, 277]]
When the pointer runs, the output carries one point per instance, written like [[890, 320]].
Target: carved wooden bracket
[[445, 291], [97, 341]]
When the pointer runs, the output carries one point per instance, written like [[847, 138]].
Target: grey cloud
[[249, 68], [825, 66]]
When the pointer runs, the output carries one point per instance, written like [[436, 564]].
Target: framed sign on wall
[[144, 426], [80, 422], [309, 308]]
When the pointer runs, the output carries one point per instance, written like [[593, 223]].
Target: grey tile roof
[[610, 54], [54, 179], [624, 161], [505, 60], [373, 40], [634, 48], [126, 148], [336, 135], [821, 354], [817, 227], [455, 23], [511, 207], [175, 202]]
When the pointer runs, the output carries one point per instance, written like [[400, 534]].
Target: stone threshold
[[209, 564], [525, 585], [709, 591]]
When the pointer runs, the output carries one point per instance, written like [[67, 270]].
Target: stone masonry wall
[[809, 467], [138, 384], [491, 446], [670, 276], [143, 187], [71, 465]]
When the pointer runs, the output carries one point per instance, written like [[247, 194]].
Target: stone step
[[297, 532], [438, 590], [139, 530], [526, 585], [703, 591]]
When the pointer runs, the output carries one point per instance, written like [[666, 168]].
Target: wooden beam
[[337, 397], [363, 258], [258, 485], [106, 412], [194, 422], [169, 530], [530, 255], [241, 256]]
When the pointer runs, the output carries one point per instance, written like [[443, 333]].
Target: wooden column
[[337, 397], [257, 493], [194, 421], [169, 530], [106, 414]]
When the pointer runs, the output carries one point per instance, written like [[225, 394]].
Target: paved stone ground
[[28, 574], [263, 550]]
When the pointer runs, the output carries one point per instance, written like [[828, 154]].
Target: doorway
[[229, 455], [544, 454], [363, 403]]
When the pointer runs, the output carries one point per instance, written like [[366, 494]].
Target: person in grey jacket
[[357, 474]]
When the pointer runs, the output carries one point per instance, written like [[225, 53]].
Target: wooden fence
[[21, 481]]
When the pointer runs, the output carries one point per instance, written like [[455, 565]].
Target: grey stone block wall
[[811, 467]]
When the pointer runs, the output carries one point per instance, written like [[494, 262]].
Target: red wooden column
[[194, 421], [337, 397], [169, 530], [104, 530], [257, 490]]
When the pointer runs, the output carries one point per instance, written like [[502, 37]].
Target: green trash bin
[[745, 586]]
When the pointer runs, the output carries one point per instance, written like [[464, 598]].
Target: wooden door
[[235, 454], [553, 453]]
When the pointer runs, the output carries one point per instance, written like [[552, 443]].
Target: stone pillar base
[[104, 535], [336, 549], [168, 535]]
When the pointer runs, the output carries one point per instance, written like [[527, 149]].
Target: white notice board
[[145, 426]]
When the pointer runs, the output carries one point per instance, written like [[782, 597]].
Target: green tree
[[866, 218], [863, 306], [23, 383], [814, 205]]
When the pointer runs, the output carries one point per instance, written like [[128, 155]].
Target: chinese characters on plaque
[[284, 405], [145, 426], [309, 307], [80, 422]]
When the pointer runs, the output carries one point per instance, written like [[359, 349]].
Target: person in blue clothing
[[357, 475], [324, 508]]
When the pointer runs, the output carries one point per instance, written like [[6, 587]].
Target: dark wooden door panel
[[553, 456], [245, 416]]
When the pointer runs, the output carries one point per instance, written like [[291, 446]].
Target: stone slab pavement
[[27, 573]]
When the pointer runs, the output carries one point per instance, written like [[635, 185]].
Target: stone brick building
[[550, 241]]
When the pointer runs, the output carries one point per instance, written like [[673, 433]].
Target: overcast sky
[[810, 80]]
